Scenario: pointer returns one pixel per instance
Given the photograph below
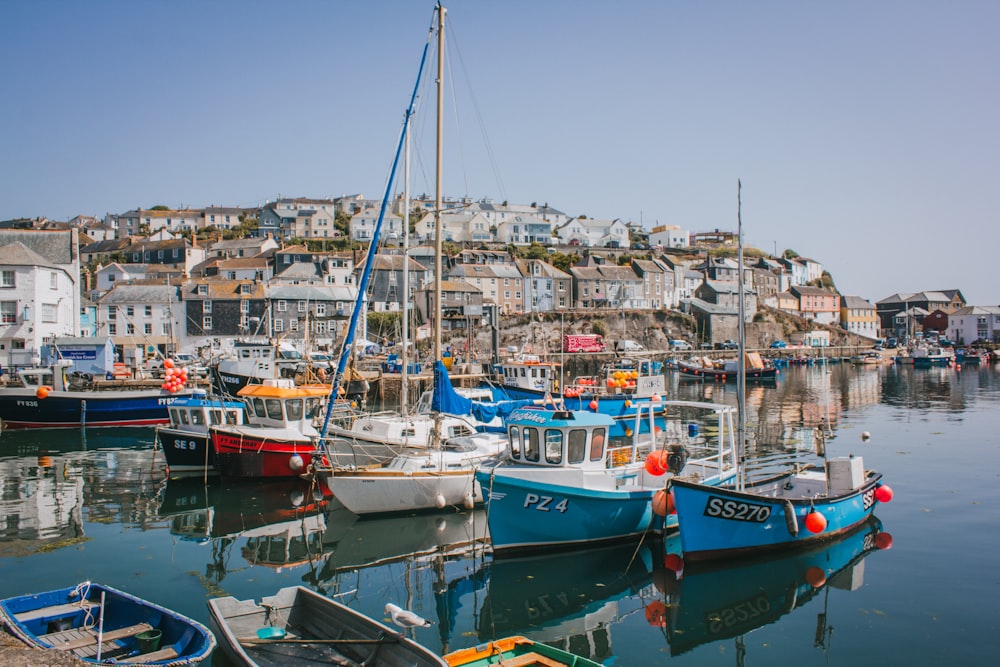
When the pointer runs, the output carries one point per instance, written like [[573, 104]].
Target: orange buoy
[[42, 391], [883, 541], [815, 522], [883, 493], [660, 502], [815, 576], [168, 363], [593, 406]]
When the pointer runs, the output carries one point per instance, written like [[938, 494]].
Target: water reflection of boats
[[709, 602], [281, 523], [358, 543], [566, 600]]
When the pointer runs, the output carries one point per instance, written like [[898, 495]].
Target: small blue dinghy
[[99, 624]]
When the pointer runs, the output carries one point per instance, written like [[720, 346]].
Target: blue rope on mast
[[372, 249]]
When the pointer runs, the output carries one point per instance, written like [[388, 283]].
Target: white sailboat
[[436, 467]]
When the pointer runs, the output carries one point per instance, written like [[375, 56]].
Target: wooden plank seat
[[530, 659], [56, 610], [75, 638], [162, 654]]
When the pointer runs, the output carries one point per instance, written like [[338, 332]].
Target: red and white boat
[[279, 439]]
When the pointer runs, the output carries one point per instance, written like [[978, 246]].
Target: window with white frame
[[53, 280], [49, 313], [149, 311], [282, 305], [130, 311], [7, 278], [321, 328], [320, 309], [147, 328], [112, 329], [206, 323], [301, 306], [246, 288], [279, 326], [8, 312], [206, 307], [165, 328], [293, 324], [112, 312], [129, 329], [244, 305], [202, 289]]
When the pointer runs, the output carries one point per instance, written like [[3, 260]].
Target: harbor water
[[916, 587]]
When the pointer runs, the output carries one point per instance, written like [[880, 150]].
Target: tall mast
[[741, 370], [438, 198], [403, 389]]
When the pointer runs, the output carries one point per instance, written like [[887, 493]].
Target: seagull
[[405, 619]]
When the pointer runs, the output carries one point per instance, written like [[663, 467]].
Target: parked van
[[680, 345], [628, 346]]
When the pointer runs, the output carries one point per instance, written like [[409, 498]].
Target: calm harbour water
[[96, 506]]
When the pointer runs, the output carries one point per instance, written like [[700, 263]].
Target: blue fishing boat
[[100, 624], [704, 603], [46, 399], [565, 482], [792, 509], [801, 506]]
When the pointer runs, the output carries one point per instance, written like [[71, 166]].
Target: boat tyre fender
[[790, 520], [676, 459]]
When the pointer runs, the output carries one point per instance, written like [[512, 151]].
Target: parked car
[[727, 345], [779, 344], [680, 345]]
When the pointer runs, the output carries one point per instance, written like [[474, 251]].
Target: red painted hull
[[253, 457]]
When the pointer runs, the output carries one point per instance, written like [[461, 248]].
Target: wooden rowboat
[[299, 625], [516, 651], [99, 624]]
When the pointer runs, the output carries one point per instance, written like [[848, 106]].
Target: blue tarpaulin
[[446, 400]]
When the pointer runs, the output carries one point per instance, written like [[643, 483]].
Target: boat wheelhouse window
[[258, 407], [215, 416], [293, 408], [232, 416], [314, 407], [523, 373], [197, 418], [553, 446], [184, 417], [597, 445], [175, 416], [459, 431], [577, 446], [515, 442], [273, 408], [531, 450]]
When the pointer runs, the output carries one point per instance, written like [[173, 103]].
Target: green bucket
[[149, 640]]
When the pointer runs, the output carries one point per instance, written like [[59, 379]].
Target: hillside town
[[150, 283]]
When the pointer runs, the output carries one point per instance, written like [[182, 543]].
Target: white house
[[363, 225], [669, 236], [39, 291], [973, 323], [594, 233]]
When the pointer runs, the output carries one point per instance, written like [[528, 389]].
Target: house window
[[7, 279], [282, 306], [206, 306], [244, 305], [321, 328], [293, 325], [165, 328], [129, 329], [206, 323], [244, 322], [8, 312], [112, 329], [202, 289], [112, 312], [279, 326], [147, 328], [48, 312], [130, 311], [245, 288], [149, 311], [53, 280], [301, 306]]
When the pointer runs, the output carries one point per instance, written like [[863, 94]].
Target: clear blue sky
[[866, 133]]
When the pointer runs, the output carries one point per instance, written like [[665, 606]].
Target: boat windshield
[[293, 408]]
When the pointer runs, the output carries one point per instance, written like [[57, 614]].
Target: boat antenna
[[741, 370]]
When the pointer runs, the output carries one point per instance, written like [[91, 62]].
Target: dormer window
[[202, 289]]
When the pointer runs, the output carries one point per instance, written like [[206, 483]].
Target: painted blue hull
[[50, 620], [719, 522], [21, 408], [716, 601], [525, 515]]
